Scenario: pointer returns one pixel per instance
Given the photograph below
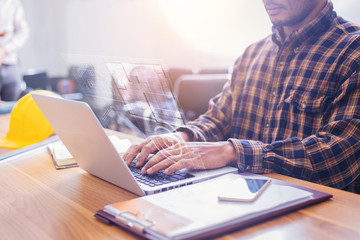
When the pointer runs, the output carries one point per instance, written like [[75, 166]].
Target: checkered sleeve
[[330, 156]]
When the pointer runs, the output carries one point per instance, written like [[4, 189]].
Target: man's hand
[[151, 145], [172, 153]]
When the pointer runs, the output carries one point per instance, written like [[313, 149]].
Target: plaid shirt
[[293, 106]]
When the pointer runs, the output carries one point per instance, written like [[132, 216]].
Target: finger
[[153, 144], [133, 151], [155, 159], [165, 158], [159, 166], [130, 154], [174, 167]]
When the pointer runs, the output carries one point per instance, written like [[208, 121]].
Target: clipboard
[[194, 212]]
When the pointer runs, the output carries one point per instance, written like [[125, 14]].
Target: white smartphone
[[244, 189]]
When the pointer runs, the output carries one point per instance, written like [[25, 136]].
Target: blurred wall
[[183, 33]]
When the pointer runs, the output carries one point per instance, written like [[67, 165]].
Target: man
[[292, 106], [13, 34]]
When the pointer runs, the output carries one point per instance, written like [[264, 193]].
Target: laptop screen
[[127, 95]]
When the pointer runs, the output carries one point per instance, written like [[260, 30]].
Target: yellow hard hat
[[28, 125]]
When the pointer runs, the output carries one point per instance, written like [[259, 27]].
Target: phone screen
[[243, 189]]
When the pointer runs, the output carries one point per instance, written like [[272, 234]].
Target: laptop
[[80, 131]]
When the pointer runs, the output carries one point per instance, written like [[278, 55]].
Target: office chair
[[194, 91], [176, 73], [214, 71]]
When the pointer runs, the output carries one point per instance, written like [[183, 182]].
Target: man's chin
[[282, 23], [276, 21]]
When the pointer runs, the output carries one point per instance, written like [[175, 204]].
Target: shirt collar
[[318, 24]]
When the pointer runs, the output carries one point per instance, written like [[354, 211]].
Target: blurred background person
[[14, 32]]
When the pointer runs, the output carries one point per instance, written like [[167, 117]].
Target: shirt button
[[247, 168], [267, 125], [273, 93], [297, 49], [303, 105]]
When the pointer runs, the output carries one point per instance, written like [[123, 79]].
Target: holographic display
[[127, 95]]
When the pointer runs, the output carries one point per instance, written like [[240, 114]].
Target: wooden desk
[[39, 202]]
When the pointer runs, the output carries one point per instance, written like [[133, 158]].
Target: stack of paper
[[63, 159]]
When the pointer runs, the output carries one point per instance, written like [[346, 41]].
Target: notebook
[[62, 158], [82, 134]]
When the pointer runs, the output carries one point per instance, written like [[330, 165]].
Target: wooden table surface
[[39, 202]]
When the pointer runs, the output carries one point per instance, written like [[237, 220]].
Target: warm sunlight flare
[[211, 25]]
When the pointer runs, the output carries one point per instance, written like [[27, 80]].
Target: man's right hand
[[152, 145]]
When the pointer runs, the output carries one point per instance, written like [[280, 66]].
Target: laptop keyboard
[[158, 178]]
